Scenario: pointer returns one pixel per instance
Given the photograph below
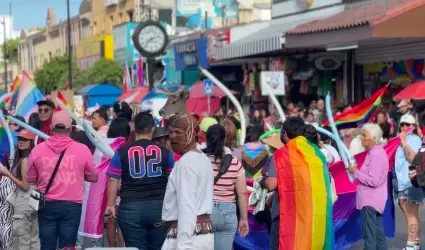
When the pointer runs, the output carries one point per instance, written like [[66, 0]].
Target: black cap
[[160, 132], [46, 102]]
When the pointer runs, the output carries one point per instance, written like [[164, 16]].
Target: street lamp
[[5, 52], [69, 47]]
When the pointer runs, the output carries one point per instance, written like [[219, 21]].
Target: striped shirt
[[224, 189]]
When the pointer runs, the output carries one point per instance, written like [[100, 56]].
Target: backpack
[[417, 169]]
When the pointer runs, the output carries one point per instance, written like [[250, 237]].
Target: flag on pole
[[63, 100], [127, 85], [11, 101], [139, 71], [67, 87], [361, 113], [28, 97]]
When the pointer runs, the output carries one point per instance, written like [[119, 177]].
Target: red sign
[[217, 38]]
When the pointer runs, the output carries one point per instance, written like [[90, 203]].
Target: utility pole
[[69, 46], [5, 53], [10, 14]]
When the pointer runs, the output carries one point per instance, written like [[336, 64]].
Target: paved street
[[400, 236], [397, 243]]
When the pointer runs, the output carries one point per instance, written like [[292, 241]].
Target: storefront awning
[[267, 40], [382, 19]]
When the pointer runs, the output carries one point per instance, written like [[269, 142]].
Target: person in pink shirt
[[59, 215]]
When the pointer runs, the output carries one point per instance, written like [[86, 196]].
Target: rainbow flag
[[346, 218], [361, 113], [28, 97], [11, 101], [305, 197], [4, 142]]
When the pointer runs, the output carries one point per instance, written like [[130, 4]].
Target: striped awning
[[267, 40]]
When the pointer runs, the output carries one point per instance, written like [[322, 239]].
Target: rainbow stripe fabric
[[15, 89], [361, 113], [28, 97], [305, 197]]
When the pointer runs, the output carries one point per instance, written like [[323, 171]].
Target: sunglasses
[[23, 139], [45, 110], [405, 125]]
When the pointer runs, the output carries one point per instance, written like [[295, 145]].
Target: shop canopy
[[415, 91], [359, 25], [267, 40]]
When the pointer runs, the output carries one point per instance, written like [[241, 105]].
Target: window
[[130, 16], [120, 20], [50, 55]]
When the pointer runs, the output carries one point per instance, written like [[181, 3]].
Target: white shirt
[[189, 194], [330, 153]]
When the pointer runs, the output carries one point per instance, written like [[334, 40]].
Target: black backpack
[[417, 169]]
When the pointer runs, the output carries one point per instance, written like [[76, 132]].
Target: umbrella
[[415, 91], [197, 91], [134, 95]]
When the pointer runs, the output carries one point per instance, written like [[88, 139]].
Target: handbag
[[37, 196]]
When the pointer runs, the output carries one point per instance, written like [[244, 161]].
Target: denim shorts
[[412, 194]]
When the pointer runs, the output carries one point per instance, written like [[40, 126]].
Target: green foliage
[[11, 49], [54, 75], [106, 71]]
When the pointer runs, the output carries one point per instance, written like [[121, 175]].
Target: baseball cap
[[25, 133], [206, 123], [160, 132], [61, 119], [408, 118], [46, 102]]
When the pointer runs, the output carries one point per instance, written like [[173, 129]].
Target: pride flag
[[11, 101], [361, 113], [305, 204], [139, 70], [95, 195], [346, 218], [28, 97], [4, 142], [64, 101]]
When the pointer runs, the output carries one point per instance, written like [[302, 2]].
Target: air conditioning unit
[[109, 3]]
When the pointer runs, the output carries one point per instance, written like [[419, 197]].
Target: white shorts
[[200, 242]]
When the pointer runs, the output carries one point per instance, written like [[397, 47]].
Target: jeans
[[274, 234], [373, 229], [141, 224], [225, 224], [59, 220]]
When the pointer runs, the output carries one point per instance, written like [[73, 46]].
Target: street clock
[[150, 39]]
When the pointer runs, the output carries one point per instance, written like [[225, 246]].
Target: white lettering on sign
[[186, 48], [190, 59]]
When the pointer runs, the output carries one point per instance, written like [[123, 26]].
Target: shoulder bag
[[225, 163], [37, 196]]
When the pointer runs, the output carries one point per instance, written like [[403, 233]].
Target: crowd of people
[[183, 185]]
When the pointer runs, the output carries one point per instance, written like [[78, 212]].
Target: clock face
[[152, 39]]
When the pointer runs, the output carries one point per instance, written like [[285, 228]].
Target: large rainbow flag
[[305, 201], [361, 113], [346, 218], [4, 142], [28, 97]]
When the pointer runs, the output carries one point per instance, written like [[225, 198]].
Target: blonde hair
[[230, 140]]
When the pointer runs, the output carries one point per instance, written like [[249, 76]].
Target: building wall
[[13, 70], [293, 10], [105, 18]]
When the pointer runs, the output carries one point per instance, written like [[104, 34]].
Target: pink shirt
[[77, 163]]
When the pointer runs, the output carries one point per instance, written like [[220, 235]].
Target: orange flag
[[62, 98]]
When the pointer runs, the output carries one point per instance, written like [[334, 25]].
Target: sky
[[32, 13]]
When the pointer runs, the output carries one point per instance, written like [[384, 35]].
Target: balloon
[[98, 145], [343, 150], [384, 71], [397, 69], [232, 99], [29, 127], [275, 102]]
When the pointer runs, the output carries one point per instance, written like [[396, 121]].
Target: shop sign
[[191, 54], [120, 43], [276, 81], [217, 39], [90, 47], [328, 63], [171, 76], [214, 8]]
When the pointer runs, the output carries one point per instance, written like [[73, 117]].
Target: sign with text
[[276, 81], [191, 54]]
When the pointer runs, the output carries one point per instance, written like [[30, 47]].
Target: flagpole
[[69, 46]]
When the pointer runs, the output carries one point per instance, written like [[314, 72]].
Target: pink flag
[[95, 195], [140, 72]]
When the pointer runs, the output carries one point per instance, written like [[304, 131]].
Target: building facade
[[106, 14], [39, 47]]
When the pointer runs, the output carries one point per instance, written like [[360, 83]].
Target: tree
[[11, 49], [54, 74], [106, 71]]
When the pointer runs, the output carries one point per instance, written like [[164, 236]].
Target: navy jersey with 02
[[145, 168]]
